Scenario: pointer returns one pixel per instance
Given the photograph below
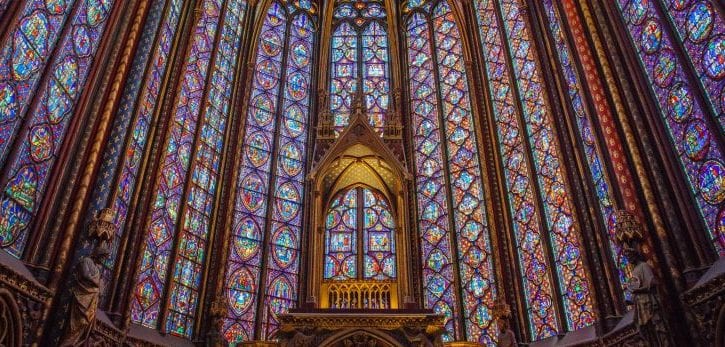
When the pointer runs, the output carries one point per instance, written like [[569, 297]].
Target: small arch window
[[359, 236]]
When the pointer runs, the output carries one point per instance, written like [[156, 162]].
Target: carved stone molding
[[327, 328], [30, 288], [105, 333], [11, 329], [31, 297], [705, 301]]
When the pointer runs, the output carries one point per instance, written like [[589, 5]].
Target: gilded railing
[[359, 294]]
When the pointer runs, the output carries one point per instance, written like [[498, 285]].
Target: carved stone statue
[[506, 336], [642, 283], [647, 310], [85, 290], [502, 313]]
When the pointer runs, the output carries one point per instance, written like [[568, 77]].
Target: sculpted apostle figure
[[506, 337], [86, 289], [647, 310]]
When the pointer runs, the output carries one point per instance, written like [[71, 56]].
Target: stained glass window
[[528, 137], [700, 27], [267, 223], [359, 236], [586, 134], [693, 123], [359, 59], [36, 108], [378, 236], [452, 212], [3, 6], [180, 218], [140, 120], [341, 251]]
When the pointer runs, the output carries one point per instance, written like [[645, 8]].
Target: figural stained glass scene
[[362, 173]]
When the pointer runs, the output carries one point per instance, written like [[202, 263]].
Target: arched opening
[[11, 330], [359, 236], [360, 337]]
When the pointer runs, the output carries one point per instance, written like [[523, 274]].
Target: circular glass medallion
[[41, 144], [714, 57], [263, 109], [287, 201], [664, 69], [246, 239], [651, 37], [284, 247], [81, 41], [679, 103], [267, 74], [294, 121], [696, 140], [67, 74], [8, 102], [297, 86], [55, 6], [699, 22], [241, 290], [252, 197], [258, 149], [291, 159], [34, 28], [271, 43], [437, 285], [96, 11], [637, 10], [712, 182], [436, 260], [301, 54]]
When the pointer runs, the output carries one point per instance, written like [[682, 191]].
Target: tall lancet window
[[586, 133], [45, 60], [167, 288], [450, 200], [547, 241], [681, 47], [359, 59], [263, 267], [136, 121], [359, 236]]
